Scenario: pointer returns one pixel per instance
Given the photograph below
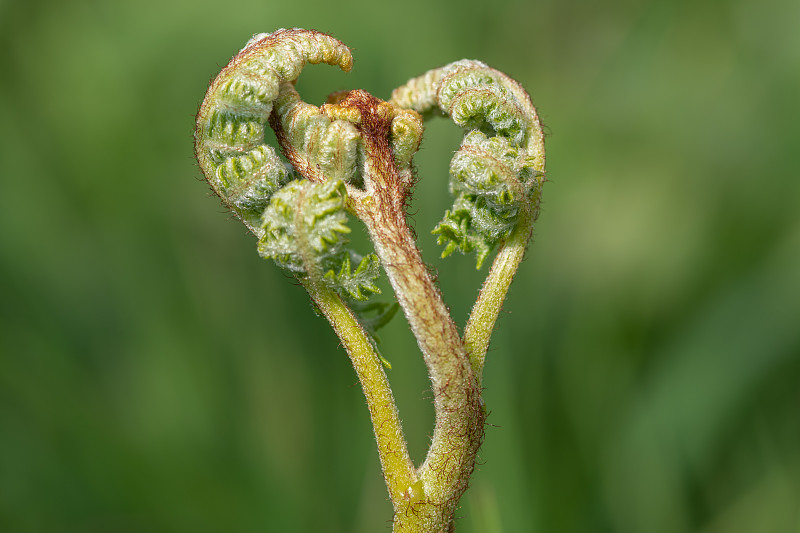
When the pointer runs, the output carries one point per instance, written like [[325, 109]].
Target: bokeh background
[[156, 375]]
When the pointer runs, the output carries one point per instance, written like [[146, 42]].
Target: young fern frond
[[229, 134], [305, 232], [499, 169], [496, 177], [354, 155], [252, 180], [492, 181]]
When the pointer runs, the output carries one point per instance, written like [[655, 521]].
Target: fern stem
[[398, 469], [458, 431], [482, 319]]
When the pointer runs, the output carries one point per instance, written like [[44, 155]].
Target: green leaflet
[[455, 232], [358, 284], [305, 232]]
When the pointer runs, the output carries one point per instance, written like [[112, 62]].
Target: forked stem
[[429, 505]]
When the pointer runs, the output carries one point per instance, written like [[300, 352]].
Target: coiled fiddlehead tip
[[305, 232], [231, 121], [309, 45], [496, 174], [300, 224]]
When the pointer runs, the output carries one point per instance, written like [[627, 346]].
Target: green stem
[[483, 317], [395, 460], [458, 431]]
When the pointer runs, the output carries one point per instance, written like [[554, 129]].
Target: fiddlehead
[[492, 182], [229, 134], [497, 173], [319, 147], [305, 232], [300, 226]]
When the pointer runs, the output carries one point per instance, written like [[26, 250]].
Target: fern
[[305, 232], [354, 155], [492, 175], [492, 182]]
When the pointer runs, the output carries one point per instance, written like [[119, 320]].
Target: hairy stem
[[398, 469], [459, 414], [483, 317]]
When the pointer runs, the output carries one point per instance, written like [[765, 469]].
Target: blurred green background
[[156, 375]]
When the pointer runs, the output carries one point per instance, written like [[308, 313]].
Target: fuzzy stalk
[[482, 319], [398, 469], [458, 431]]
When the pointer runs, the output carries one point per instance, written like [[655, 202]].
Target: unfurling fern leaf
[[492, 181], [497, 172], [229, 138], [305, 231]]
